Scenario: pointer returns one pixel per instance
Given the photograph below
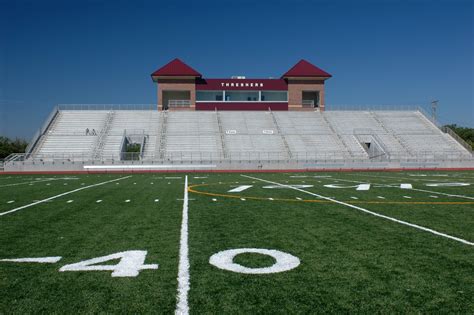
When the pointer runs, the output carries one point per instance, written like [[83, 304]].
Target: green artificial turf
[[350, 261]]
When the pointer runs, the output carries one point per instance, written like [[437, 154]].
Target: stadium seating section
[[81, 135]]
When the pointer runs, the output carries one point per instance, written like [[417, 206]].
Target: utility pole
[[434, 109]]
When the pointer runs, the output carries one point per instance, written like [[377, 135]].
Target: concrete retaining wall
[[232, 166]]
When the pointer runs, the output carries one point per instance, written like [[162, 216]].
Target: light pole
[[434, 109]]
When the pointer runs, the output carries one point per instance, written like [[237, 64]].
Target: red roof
[[176, 68], [305, 69]]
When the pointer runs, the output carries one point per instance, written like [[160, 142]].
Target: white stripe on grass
[[41, 260], [419, 227], [31, 183], [61, 195], [416, 189], [182, 307]]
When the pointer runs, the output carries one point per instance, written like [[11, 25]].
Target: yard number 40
[[130, 264], [132, 261]]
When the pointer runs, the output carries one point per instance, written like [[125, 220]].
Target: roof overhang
[[307, 78], [160, 77]]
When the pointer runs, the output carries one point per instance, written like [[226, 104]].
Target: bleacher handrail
[[460, 140], [336, 107], [37, 135], [429, 117], [86, 107]]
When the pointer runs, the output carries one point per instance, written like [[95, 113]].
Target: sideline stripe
[[60, 195], [369, 212], [182, 307]]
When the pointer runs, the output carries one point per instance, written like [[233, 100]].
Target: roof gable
[[305, 69], [176, 68]]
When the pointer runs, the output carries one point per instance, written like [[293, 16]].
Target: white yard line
[[240, 188], [419, 227], [423, 190], [41, 260], [182, 307], [32, 182], [414, 178], [60, 195]]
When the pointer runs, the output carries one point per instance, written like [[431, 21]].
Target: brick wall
[[176, 85], [296, 88]]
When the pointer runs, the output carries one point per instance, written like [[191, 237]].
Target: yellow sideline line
[[190, 189]]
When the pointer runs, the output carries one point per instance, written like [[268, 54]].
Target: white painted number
[[130, 264], [284, 261]]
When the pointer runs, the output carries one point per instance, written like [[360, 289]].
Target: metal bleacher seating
[[309, 134], [252, 135], [132, 123], [416, 134], [67, 139], [192, 137], [242, 135]]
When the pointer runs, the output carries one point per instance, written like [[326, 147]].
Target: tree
[[467, 134], [8, 146]]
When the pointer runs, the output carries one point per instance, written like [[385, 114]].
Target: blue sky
[[379, 52]]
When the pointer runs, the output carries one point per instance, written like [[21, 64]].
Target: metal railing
[[107, 107], [428, 116], [179, 103], [461, 141], [307, 103], [235, 157], [447, 130], [371, 107], [374, 136], [37, 135]]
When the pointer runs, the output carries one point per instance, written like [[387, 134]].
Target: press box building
[[180, 86]]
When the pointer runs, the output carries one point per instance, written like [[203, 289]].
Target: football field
[[227, 243]]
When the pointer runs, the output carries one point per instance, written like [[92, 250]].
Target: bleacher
[[130, 123], [188, 136], [252, 135], [243, 135], [67, 137]]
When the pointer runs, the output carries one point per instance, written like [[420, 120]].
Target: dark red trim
[[241, 106], [241, 84]]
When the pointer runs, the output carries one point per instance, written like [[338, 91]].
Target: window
[[275, 96], [245, 96], [209, 96]]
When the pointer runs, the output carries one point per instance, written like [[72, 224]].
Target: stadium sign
[[241, 84]]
